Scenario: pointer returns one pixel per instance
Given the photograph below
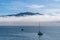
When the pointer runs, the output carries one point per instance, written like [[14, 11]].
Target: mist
[[35, 20]]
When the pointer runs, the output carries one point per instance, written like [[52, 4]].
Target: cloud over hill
[[30, 20]]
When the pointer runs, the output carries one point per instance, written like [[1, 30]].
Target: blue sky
[[41, 6]]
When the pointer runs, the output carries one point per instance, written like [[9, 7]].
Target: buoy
[[22, 29]]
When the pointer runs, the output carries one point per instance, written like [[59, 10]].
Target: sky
[[40, 6]]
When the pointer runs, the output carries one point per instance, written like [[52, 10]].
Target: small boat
[[40, 34], [22, 29]]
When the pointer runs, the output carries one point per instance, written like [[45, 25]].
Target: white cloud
[[35, 6], [30, 20], [17, 6], [52, 11]]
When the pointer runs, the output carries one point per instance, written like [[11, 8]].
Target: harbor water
[[29, 33]]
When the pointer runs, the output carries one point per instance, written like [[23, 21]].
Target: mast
[[39, 32]]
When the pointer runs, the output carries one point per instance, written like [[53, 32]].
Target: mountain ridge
[[24, 14]]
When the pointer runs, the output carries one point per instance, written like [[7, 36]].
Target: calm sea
[[29, 33]]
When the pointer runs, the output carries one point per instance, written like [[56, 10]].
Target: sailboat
[[39, 33]]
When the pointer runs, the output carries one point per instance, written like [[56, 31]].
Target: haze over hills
[[24, 14], [29, 19]]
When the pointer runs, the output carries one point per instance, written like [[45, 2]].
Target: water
[[29, 33]]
